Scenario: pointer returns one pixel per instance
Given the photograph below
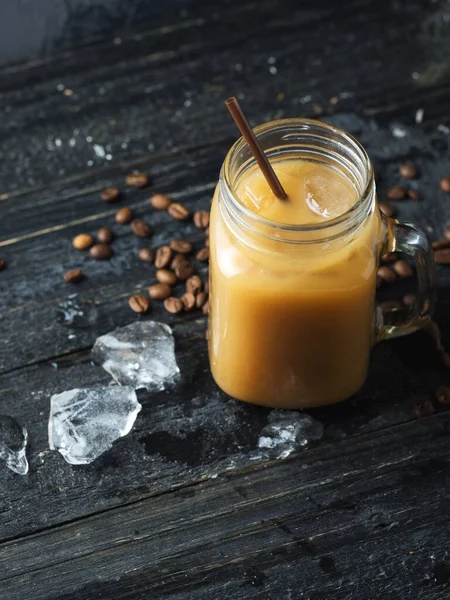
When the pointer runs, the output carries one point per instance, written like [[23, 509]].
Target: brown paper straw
[[263, 162]]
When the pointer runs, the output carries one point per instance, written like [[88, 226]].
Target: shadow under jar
[[293, 315]]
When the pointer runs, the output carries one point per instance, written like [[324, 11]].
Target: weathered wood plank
[[334, 510]]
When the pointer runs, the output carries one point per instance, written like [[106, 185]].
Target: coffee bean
[[181, 246], [166, 276], [73, 276], [445, 184], [387, 210], [442, 257], [389, 257], [178, 211], [194, 284], [386, 274], [110, 194], [101, 252], [124, 216], [413, 195], [160, 201], [447, 233], [139, 303], [402, 268], [178, 259], [173, 305], [207, 243], [83, 241], [200, 299], [409, 300], [440, 244], [188, 301], [140, 228], [184, 271], [396, 192], [203, 255], [146, 255], [443, 395], [3, 264], [206, 287], [201, 219], [423, 409], [159, 291], [105, 235], [205, 308], [207, 232], [137, 180], [163, 257], [408, 171]]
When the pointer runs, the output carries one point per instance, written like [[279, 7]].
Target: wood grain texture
[[186, 506]]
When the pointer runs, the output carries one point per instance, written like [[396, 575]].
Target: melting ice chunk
[[13, 444], [289, 430], [141, 355], [329, 195], [84, 423]]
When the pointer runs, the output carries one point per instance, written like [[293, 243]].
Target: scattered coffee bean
[[194, 284], [105, 235], [207, 243], [146, 255], [184, 270], [73, 276], [387, 210], [124, 216], [178, 259], [443, 395], [178, 211], [83, 241], [409, 300], [396, 192], [413, 195], [137, 180], [205, 308], [203, 255], [201, 219], [447, 233], [2, 263], [166, 276], [200, 299], [402, 268], [181, 246], [173, 305], [110, 194], [207, 232], [139, 303], [445, 184], [389, 257], [163, 257], [440, 244], [206, 287], [188, 301], [386, 274], [160, 201], [140, 228], [442, 257], [423, 409], [408, 171], [159, 291], [101, 252]]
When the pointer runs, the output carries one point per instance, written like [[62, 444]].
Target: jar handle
[[412, 241]]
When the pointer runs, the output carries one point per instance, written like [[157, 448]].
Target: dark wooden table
[[186, 507]]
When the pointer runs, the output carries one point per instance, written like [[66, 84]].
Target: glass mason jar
[[293, 315]]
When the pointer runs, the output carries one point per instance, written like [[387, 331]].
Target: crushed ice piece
[[398, 131], [99, 150], [419, 115], [289, 430], [141, 355], [13, 444], [84, 423]]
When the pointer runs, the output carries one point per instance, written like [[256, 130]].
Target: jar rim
[[352, 213]]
